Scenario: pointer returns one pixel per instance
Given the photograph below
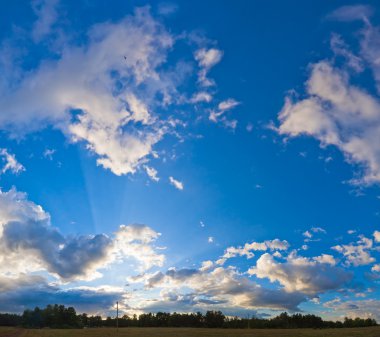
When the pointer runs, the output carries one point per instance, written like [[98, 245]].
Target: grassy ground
[[188, 332]]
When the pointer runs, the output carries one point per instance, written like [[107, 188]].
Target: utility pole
[[117, 318]]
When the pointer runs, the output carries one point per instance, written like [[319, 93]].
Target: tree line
[[59, 316]]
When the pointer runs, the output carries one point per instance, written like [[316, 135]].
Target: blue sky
[[190, 156]]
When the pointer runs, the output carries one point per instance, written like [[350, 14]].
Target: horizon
[[191, 157]]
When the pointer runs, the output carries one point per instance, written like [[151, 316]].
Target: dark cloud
[[68, 257], [30, 242], [31, 291]]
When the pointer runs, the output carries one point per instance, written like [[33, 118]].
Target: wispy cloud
[[152, 173], [207, 58], [351, 13], [10, 162], [176, 183], [47, 15], [218, 114]]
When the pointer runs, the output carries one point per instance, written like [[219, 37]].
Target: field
[[189, 332]]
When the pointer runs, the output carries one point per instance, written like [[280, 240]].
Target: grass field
[[188, 332]]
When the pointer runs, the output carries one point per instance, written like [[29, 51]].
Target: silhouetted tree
[[58, 316]]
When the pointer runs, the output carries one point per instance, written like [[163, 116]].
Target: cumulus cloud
[[136, 241], [111, 92], [176, 183], [307, 275], [30, 243], [339, 114], [297, 279], [326, 258], [357, 254], [376, 236], [80, 80], [248, 248], [336, 112], [10, 162], [215, 288]]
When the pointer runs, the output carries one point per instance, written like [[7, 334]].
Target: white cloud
[[111, 93], [376, 235], [152, 173], [206, 265], [222, 108], [107, 120], [201, 96], [210, 239], [10, 162], [357, 254], [176, 183], [338, 113], [309, 276], [326, 258], [219, 114], [227, 104], [307, 234], [214, 287], [248, 248], [136, 241], [207, 58]]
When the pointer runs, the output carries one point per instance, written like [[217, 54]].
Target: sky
[[190, 156]]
